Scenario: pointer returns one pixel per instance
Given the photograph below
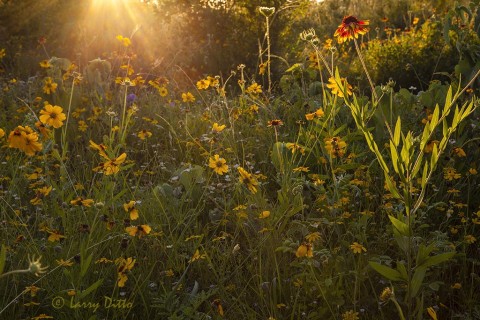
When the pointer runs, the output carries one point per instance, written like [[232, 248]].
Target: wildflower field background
[[274, 159]]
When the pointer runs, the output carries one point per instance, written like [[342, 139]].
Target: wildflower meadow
[[273, 159]]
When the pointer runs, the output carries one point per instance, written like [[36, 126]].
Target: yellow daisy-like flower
[[219, 165], [304, 250], [139, 230], [163, 91], [49, 85], [52, 116], [82, 126], [55, 236], [333, 85], [129, 207], [188, 97], [470, 239], [79, 201], [350, 315], [459, 152], [144, 134], [357, 248], [218, 128], [248, 180], [112, 166], [254, 88], [264, 214], [450, 174], [335, 147], [203, 84], [64, 263], [350, 28], [2, 133], [45, 64], [124, 40]]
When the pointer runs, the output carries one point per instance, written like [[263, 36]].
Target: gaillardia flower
[[350, 28]]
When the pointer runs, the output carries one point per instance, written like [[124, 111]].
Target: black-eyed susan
[[129, 207], [140, 230], [49, 86], [203, 84], [144, 134], [126, 42], [52, 116], [357, 248], [254, 89], [112, 166], [188, 97], [218, 128], [350, 28], [350, 315], [219, 165], [55, 235], [334, 86], [335, 147], [248, 180]]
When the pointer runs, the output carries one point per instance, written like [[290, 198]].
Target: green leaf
[[385, 271], [90, 289], [417, 281], [434, 120], [437, 259], [3, 258], [294, 67], [400, 226], [394, 154], [85, 264], [424, 175], [391, 187], [398, 130], [402, 270]]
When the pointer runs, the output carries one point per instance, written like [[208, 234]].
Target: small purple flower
[[131, 98]]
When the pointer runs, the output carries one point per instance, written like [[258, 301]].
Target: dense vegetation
[[200, 160]]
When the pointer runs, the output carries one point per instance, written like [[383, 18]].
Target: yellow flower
[[203, 84], [310, 116], [49, 86], [264, 214], [45, 64], [472, 171], [129, 207], [350, 28], [335, 147], [350, 315], [386, 294], [218, 128], [79, 201], [2, 133], [275, 123], [25, 139], [52, 116], [163, 91], [450, 174], [470, 239], [254, 88], [248, 180], [429, 146], [124, 40], [357, 248], [456, 285], [64, 263], [219, 165], [144, 134], [82, 126], [188, 97], [125, 265], [32, 289], [101, 148], [197, 256], [122, 278], [304, 250], [432, 313], [55, 236], [332, 84], [139, 230], [312, 237], [112, 166], [459, 152]]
